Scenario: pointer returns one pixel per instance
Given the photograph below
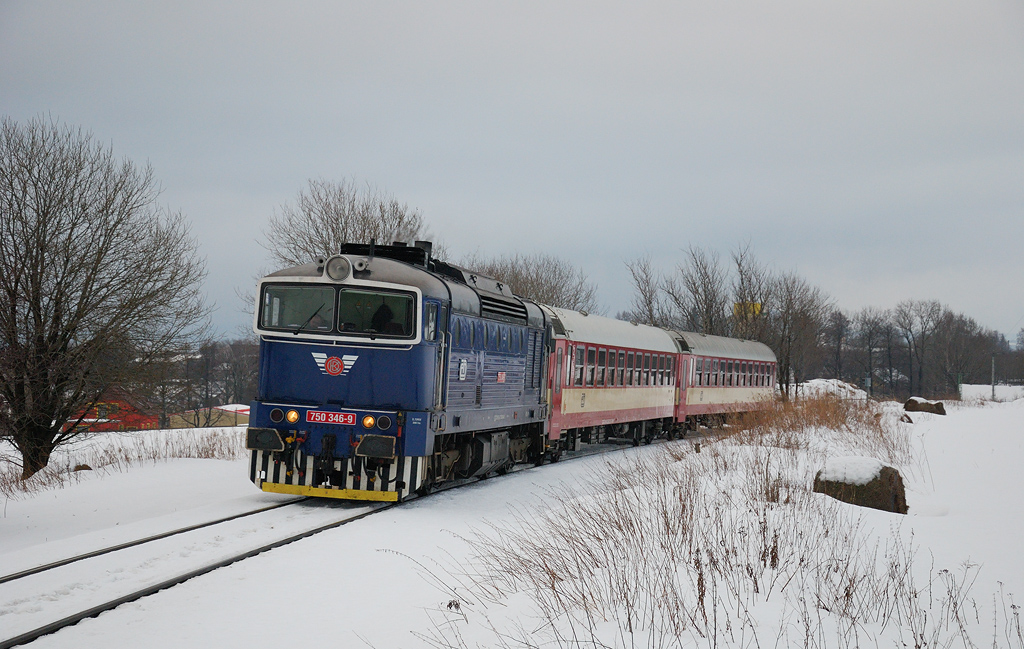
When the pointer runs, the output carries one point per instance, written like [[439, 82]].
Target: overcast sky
[[875, 147]]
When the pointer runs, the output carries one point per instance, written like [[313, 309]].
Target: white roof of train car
[[721, 347], [615, 333]]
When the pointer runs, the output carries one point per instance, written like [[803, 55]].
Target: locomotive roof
[[609, 331], [470, 292], [722, 347]]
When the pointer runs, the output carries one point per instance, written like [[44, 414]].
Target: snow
[[240, 408], [833, 387], [853, 470], [984, 392], [388, 580]]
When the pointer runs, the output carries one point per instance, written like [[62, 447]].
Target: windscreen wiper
[[309, 319]]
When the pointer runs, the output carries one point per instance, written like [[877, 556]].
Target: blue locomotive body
[[383, 372]]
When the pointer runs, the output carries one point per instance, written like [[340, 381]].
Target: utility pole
[[993, 376]]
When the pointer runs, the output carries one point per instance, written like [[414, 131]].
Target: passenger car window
[[580, 352]]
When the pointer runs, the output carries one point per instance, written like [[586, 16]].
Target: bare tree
[[541, 278], [648, 304], [962, 351], [328, 214], [95, 281], [868, 339], [700, 294], [836, 338], [753, 294], [916, 321], [799, 319]]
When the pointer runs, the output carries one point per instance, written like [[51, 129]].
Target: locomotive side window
[[602, 361], [376, 313], [622, 367], [430, 322], [591, 355], [299, 308]]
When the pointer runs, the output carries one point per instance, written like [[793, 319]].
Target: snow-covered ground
[[984, 392], [383, 581]]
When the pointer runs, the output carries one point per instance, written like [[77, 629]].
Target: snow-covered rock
[[917, 404], [831, 387], [862, 481]]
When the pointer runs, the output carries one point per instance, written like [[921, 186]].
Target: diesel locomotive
[[385, 372]]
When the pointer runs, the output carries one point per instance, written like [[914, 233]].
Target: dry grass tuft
[[727, 547]]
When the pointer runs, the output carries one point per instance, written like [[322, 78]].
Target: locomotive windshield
[[376, 313], [298, 308], [327, 309]]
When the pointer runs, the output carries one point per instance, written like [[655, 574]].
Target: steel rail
[[130, 544]]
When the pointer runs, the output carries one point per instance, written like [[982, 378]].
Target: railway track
[[91, 608], [162, 584], [131, 544]]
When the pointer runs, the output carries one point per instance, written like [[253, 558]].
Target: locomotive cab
[[351, 365]]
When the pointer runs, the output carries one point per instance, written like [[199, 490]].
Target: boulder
[[917, 404], [862, 481]]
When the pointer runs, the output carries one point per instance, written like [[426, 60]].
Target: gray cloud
[[875, 147]]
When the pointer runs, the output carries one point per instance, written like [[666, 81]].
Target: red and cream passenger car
[[613, 379]]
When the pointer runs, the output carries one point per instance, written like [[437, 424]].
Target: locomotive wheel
[[636, 436], [428, 485], [555, 456]]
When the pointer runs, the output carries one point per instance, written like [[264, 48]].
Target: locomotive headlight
[[292, 416], [369, 421], [338, 268]]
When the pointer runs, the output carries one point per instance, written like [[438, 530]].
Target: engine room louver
[[501, 308]]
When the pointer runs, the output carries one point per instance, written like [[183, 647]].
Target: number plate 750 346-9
[[324, 417]]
